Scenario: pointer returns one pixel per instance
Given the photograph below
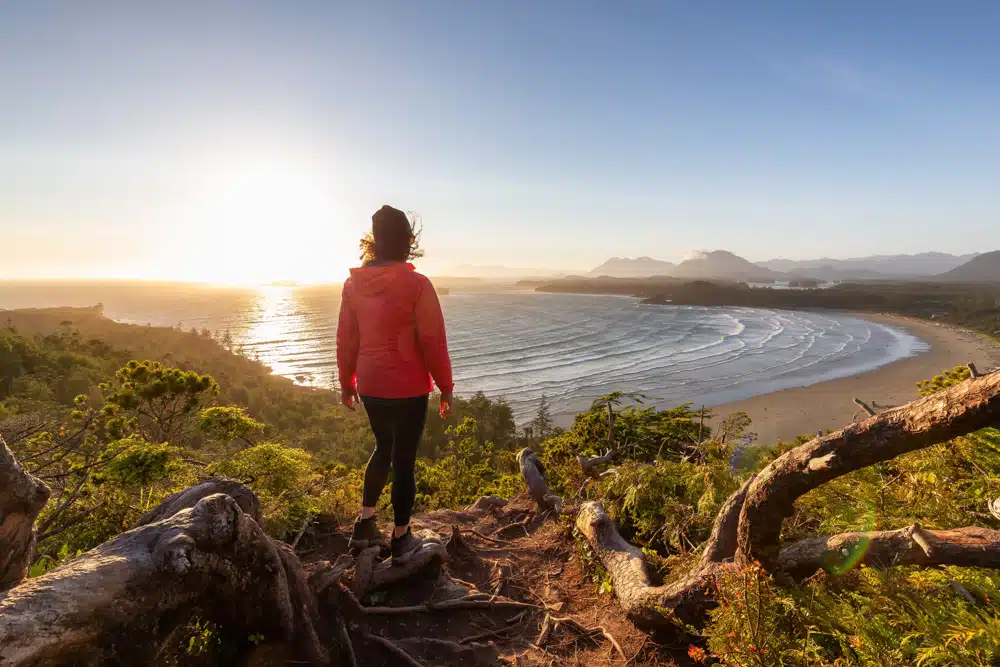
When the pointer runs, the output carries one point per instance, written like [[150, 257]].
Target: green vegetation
[[116, 417], [113, 422]]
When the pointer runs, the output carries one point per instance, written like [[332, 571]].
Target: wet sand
[[783, 415]]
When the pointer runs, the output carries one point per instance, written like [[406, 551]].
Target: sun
[[256, 219]]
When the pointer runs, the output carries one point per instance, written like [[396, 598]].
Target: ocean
[[521, 345]]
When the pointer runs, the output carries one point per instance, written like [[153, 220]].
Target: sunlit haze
[[248, 142]]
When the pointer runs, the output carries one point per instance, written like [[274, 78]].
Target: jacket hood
[[372, 280]]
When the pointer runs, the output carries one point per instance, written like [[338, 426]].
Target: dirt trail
[[508, 554]]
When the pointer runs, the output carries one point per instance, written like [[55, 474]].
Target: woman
[[391, 349]]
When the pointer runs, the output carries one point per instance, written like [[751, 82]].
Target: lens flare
[[851, 554]]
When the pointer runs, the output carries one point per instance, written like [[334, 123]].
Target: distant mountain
[[875, 266], [625, 267], [724, 265], [503, 272], [983, 268]]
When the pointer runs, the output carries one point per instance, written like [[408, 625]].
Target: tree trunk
[[958, 410], [116, 603], [749, 523], [22, 498], [189, 497], [655, 607], [968, 547]]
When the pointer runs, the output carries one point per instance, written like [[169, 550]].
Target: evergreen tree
[[542, 425]]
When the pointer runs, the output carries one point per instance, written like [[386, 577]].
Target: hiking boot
[[366, 534], [403, 546]]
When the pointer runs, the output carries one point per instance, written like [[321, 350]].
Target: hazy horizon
[[250, 142]]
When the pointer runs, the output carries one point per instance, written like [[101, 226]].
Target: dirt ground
[[509, 554]]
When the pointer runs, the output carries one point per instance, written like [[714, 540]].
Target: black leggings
[[398, 424]]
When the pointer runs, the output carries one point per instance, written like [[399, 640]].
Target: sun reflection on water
[[283, 332]]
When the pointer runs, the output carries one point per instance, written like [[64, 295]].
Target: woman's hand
[[446, 405], [349, 397]]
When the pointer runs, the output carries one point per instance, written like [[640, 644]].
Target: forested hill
[[71, 350], [975, 306]]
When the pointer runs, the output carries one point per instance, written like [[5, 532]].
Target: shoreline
[[786, 414]]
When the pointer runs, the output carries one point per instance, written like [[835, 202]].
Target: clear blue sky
[[197, 139]]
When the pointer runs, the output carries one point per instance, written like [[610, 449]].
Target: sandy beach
[[783, 415]]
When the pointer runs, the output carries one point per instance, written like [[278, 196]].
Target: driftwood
[[22, 498], [861, 404]]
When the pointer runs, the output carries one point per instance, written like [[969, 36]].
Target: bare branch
[[861, 404], [588, 465]]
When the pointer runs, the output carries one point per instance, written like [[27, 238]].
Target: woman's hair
[[395, 237]]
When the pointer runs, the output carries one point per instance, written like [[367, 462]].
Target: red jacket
[[391, 340]]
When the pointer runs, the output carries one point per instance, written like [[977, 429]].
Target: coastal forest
[[974, 306], [166, 500]]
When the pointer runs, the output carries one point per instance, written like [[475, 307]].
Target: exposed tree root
[[553, 623], [403, 656], [451, 605], [347, 646], [533, 474], [488, 504]]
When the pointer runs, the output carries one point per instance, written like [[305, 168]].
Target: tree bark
[[655, 607], [649, 607], [956, 411], [968, 547], [116, 603], [534, 477], [189, 497], [22, 498]]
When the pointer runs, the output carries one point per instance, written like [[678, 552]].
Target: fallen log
[[189, 497], [117, 603], [967, 547], [959, 410]]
